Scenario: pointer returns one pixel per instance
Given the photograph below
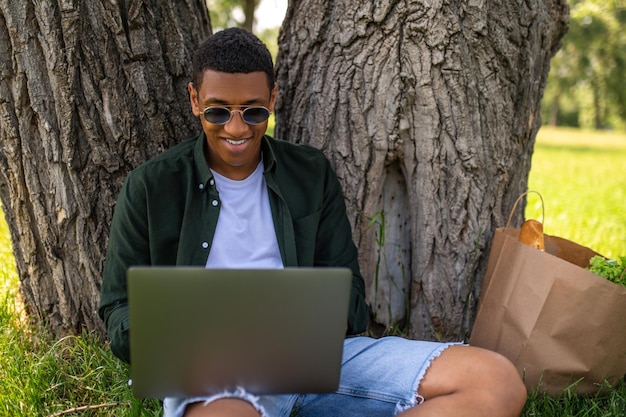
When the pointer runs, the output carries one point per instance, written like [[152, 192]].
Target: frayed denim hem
[[419, 399], [175, 407]]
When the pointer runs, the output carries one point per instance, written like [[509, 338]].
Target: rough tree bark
[[428, 111], [88, 90]]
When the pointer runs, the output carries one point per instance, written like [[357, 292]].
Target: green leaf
[[613, 270]]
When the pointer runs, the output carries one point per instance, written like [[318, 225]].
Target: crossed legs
[[463, 381]]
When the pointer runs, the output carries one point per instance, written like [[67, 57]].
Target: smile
[[236, 142]]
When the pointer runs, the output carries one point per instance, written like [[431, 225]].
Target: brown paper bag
[[561, 325]]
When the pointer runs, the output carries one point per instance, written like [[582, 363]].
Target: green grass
[[582, 178], [578, 173], [611, 404], [44, 376]]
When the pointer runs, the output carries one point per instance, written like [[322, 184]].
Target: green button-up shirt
[[167, 211]]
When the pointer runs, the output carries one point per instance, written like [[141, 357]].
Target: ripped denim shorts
[[379, 377]]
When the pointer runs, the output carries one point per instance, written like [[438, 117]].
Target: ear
[[273, 97], [193, 98]]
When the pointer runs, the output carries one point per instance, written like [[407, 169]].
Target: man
[[233, 197]]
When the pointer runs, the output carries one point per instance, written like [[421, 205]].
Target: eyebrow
[[221, 102]]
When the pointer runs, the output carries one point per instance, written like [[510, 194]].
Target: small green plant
[[613, 270], [398, 328]]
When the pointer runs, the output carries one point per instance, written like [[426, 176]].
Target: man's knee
[[481, 372], [503, 379]]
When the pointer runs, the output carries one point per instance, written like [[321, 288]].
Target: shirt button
[[205, 245], [215, 203], [211, 181], [201, 186]]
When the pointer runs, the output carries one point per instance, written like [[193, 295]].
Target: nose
[[236, 126]]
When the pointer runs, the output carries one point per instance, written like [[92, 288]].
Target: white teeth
[[235, 142]]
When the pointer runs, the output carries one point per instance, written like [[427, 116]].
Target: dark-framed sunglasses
[[220, 115]]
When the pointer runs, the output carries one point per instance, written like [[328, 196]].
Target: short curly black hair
[[232, 50]]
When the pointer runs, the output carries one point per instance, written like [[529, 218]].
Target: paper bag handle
[[543, 213]]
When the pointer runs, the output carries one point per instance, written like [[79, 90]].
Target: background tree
[[88, 90], [241, 13], [586, 86], [428, 111], [230, 13]]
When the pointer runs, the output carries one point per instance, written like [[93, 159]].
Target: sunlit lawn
[[580, 175], [582, 178]]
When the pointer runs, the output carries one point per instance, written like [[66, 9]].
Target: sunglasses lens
[[221, 115], [255, 115], [217, 115]]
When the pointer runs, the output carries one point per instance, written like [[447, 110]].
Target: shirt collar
[[269, 158], [202, 166]]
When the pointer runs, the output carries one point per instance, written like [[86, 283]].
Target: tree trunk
[[249, 8], [555, 110], [428, 112], [88, 90], [597, 106]]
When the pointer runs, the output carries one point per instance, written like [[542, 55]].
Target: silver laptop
[[195, 331]]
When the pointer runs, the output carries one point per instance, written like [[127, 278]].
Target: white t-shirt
[[245, 235]]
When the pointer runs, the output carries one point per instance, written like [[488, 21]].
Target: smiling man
[[235, 198], [233, 109]]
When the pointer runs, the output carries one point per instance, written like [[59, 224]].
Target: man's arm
[[127, 245], [116, 321], [335, 244]]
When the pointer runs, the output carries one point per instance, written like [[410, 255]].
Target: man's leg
[[225, 407], [237, 402], [467, 381]]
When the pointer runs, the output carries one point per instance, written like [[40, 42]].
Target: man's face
[[234, 149]]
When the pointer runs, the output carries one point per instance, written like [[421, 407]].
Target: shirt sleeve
[[128, 245], [336, 247]]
